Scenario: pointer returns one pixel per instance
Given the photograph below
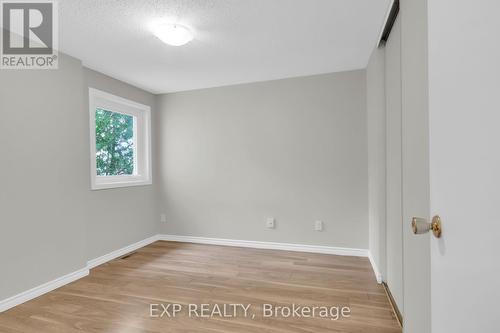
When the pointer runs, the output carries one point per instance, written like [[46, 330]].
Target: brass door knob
[[421, 226]]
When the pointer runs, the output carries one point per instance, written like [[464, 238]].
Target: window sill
[[118, 182]]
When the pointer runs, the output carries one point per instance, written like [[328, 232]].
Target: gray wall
[[120, 217], [294, 149], [375, 88], [51, 223], [44, 175]]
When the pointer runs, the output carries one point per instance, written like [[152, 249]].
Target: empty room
[[278, 166]]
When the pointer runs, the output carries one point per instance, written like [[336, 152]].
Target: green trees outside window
[[115, 153]]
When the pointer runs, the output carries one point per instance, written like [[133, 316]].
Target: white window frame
[[142, 140]]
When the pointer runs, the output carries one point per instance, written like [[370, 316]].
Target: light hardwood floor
[[116, 296]]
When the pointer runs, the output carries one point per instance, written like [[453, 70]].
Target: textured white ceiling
[[236, 41]]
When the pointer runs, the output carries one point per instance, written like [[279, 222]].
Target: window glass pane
[[115, 150]]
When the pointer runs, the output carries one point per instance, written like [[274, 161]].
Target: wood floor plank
[[116, 296]]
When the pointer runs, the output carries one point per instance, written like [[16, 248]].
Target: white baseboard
[[68, 278], [268, 245], [42, 289], [378, 275], [278, 246], [120, 252]]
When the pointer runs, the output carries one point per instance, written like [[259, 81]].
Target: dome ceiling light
[[173, 34]]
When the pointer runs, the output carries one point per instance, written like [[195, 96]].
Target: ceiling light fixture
[[173, 34]]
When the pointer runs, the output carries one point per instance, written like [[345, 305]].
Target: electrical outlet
[[163, 218], [318, 225], [270, 223]]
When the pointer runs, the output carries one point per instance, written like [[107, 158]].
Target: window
[[120, 141]]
